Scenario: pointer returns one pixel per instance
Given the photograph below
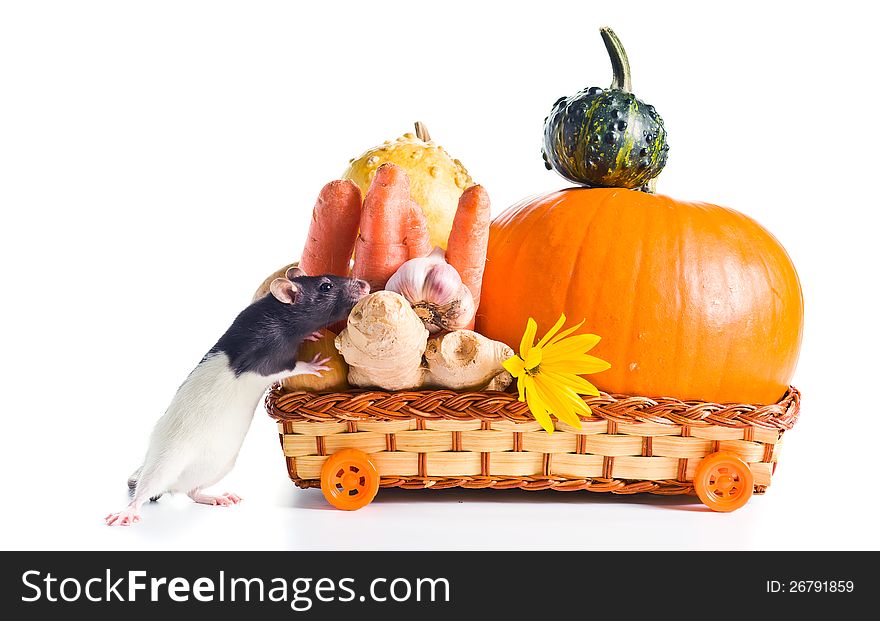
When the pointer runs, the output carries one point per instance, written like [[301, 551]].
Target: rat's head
[[318, 301]]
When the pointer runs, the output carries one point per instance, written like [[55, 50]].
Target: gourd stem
[[619, 62], [422, 131]]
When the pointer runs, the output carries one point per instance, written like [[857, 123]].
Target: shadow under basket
[[352, 443]]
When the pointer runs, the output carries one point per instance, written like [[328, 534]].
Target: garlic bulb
[[435, 291]]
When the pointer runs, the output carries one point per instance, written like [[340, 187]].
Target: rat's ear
[[294, 272], [285, 291]]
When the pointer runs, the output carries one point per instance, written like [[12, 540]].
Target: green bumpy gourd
[[606, 137]]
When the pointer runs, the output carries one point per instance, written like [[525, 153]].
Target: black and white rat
[[196, 442]]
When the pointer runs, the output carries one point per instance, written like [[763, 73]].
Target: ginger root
[[383, 343], [466, 360], [386, 345]]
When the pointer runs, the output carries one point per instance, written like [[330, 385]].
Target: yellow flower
[[547, 373]]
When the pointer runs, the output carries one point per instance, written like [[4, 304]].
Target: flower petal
[[593, 391], [521, 384], [582, 364], [572, 346], [571, 397], [586, 411], [574, 382], [565, 333], [539, 409], [560, 406], [559, 323], [514, 365], [534, 358], [578, 404], [528, 338]]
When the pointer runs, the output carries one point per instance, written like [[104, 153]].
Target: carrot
[[334, 227], [381, 247], [469, 238], [418, 240]]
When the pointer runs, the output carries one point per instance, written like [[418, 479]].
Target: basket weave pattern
[[440, 439]]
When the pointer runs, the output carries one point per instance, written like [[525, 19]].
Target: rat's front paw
[[126, 517], [315, 366], [314, 336], [319, 364]]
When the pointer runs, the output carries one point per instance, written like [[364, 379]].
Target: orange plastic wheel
[[724, 482], [349, 479]]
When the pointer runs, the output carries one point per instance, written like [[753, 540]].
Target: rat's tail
[[133, 480], [133, 483]]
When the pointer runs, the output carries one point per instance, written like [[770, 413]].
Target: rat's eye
[[325, 286]]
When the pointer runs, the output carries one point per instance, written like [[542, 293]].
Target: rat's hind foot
[[126, 517], [314, 336], [235, 498], [224, 500]]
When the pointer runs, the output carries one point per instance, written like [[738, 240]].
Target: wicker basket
[[441, 439]]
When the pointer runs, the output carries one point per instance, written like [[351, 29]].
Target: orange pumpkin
[[692, 301]]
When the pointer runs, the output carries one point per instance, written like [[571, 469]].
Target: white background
[[157, 160]]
